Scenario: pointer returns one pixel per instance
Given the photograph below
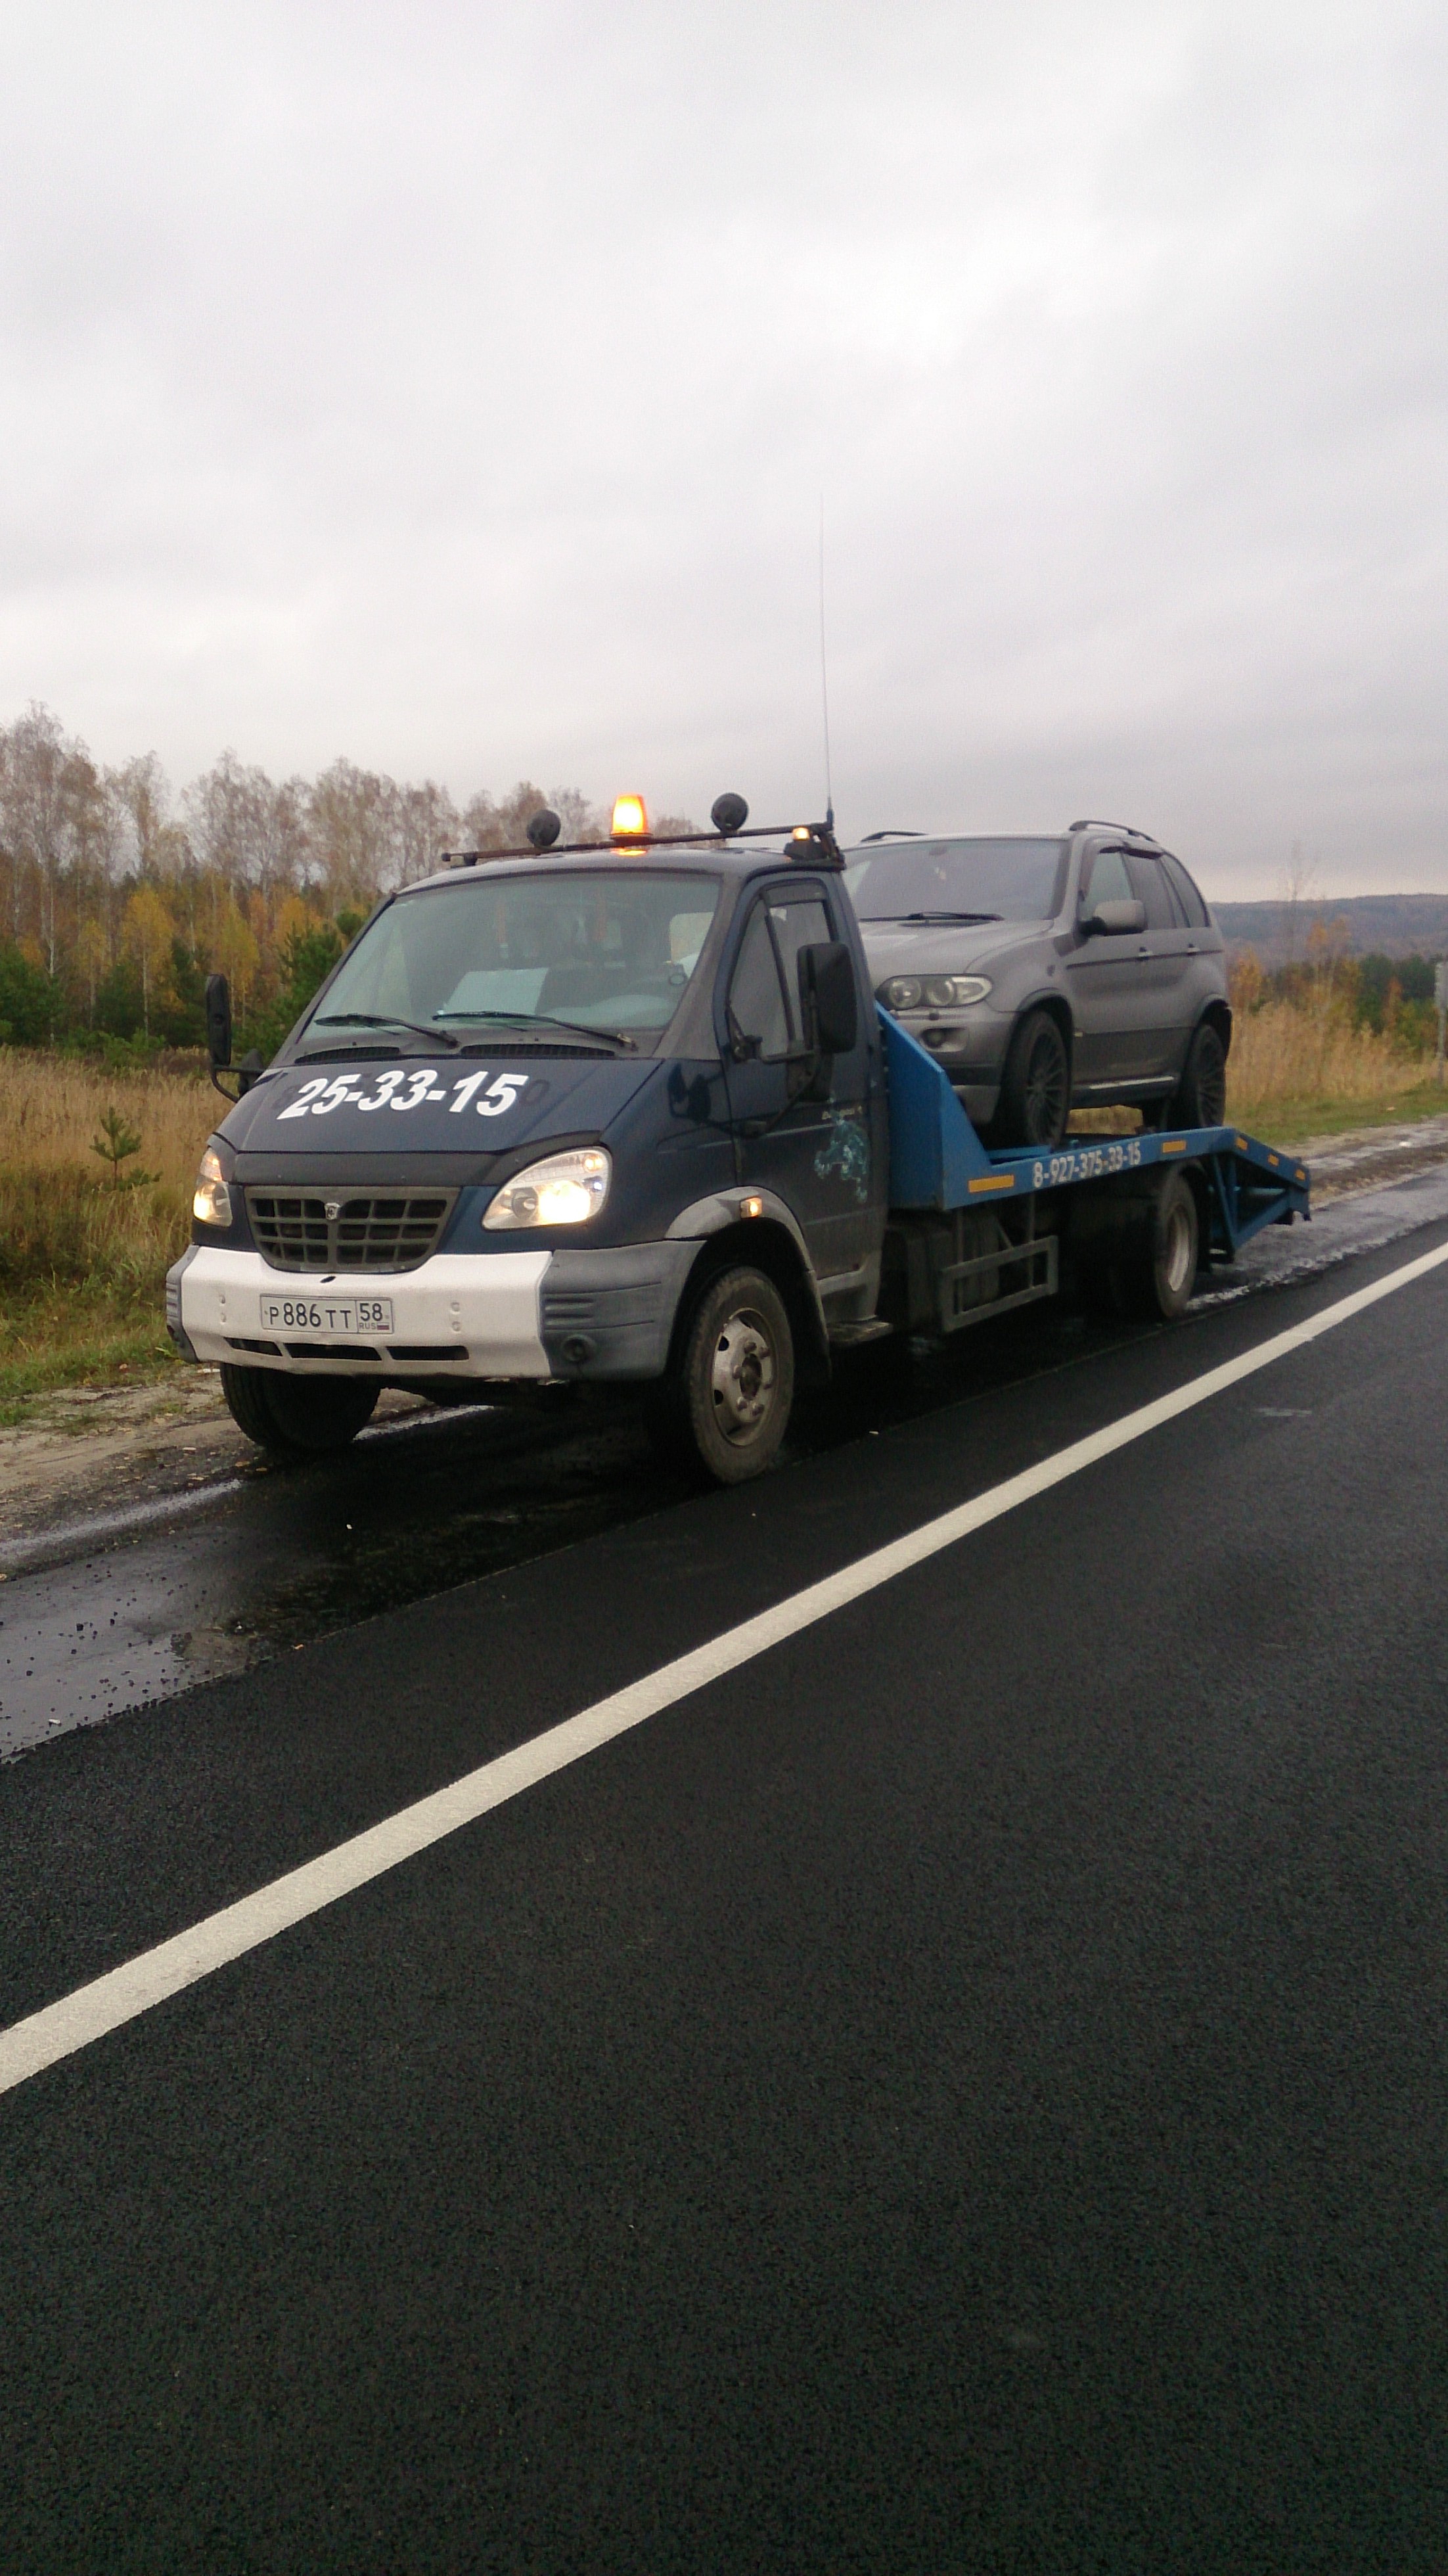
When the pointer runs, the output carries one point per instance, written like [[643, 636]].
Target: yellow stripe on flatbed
[[1175, 1145], [993, 1181]]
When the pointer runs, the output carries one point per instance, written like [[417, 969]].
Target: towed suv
[[1078, 971]]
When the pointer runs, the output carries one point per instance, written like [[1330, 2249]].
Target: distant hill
[[1393, 925]]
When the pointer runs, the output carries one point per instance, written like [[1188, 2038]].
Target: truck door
[[802, 1128]]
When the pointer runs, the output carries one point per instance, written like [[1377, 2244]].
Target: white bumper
[[475, 1314]]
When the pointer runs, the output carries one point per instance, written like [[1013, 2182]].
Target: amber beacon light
[[630, 818]]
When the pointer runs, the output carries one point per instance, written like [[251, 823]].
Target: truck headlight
[[936, 992], [212, 1202], [567, 1189]]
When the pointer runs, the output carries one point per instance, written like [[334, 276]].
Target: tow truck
[[627, 1113]]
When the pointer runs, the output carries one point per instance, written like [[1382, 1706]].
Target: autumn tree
[[147, 938]]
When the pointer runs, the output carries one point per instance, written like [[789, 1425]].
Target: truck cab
[[544, 1114]]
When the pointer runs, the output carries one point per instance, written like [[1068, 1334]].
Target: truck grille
[[390, 1230]]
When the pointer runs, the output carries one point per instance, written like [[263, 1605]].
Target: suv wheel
[[1200, 1098], [1035, 1100]]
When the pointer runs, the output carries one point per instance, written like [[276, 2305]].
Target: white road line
[[109, 2001]]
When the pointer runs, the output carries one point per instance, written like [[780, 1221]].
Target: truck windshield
[[612, 951], [1006, 880]]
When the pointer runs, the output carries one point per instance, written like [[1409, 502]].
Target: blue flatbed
[[938, 1162]]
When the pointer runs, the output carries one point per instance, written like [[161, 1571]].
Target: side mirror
[[828, 996], [218, 1022], [1115, 920]]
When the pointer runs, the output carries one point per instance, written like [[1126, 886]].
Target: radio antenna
[[825, 678]]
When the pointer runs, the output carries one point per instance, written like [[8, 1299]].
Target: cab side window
[[756, 995], [796, 924], [764, 992]]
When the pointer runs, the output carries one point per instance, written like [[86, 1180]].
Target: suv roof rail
[[1099, 823]]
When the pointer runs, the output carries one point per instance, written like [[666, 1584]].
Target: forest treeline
[[118, 898]]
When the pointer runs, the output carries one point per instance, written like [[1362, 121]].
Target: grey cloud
[[455, 389]]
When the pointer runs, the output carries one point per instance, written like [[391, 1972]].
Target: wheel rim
[[742, 1377], [1045, 1091], [1177, 1258]]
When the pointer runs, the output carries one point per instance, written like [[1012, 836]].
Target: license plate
[[331, 1315]]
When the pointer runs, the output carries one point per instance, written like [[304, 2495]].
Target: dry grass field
[[1297, 1071], [82, 1261]]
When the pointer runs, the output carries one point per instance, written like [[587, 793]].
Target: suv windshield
[[1008, 880], [611, 950]]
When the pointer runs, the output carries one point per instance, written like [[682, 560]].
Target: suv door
[[801, 1125], [1165, 959], [1104, 980]]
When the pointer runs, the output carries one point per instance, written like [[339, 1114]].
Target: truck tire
[[1160, 1270], [1200, 1098], [1035, 1100], [297, 1417], [728, 1405]]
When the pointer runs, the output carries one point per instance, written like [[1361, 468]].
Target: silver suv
[[1050, 975]]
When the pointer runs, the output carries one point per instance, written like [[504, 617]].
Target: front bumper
[[497, 1315], [970, 1053]]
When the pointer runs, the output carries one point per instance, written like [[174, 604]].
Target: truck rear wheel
[[297, 1417], [1162, 1271], [728, 1406]]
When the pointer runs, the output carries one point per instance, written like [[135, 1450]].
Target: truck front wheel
[[297, 1417], [728, 1405]]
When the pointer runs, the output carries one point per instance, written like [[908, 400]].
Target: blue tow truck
[[627, 1112]]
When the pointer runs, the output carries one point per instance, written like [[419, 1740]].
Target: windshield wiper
[[384, 1020], [933, 916], [546, 1019]]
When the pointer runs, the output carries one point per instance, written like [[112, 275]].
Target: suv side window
[[1151, 888], [1106, 881], [764, 989], [1192, 903]]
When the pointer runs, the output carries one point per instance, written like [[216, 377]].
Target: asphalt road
[[962, 2091]]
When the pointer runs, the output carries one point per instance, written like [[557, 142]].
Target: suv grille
[[390, 1230]]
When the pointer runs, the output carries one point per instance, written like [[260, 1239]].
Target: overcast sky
[[455, 387]]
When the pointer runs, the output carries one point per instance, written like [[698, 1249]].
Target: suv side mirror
[[1116, 920], [828, 996], [218, 1022]]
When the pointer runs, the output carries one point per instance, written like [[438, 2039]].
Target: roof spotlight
[[544, 828], [630, 819], [728, 813]]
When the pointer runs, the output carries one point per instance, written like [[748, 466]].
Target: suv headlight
[[935, 992], [211, 1204], [567, 1189]]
